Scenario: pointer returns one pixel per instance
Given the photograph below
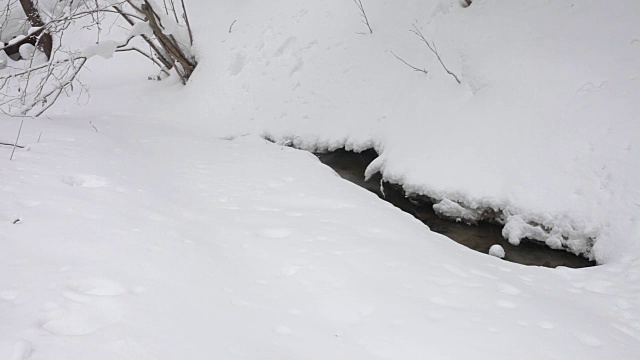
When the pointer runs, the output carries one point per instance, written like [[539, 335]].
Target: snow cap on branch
[[104, 49]]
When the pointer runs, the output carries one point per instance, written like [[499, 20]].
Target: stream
[[351, 166]]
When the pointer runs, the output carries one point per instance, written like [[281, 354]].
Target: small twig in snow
[[434, 50], [39, 136], [94, 127], [9, 144], [364, 19], [409, 65], [15, 145], [231, 27]]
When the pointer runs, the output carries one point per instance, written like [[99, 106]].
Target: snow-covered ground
[[156, 223]]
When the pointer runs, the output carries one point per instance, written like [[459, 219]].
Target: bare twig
[[363, 14], [186, 20], [9, 144], [148, 56], [15, 145], [175, 13], [409, 65], [166, 62], [434, 50], [231, 27], [49, 98]]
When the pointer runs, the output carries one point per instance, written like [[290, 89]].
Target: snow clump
[[497, 251]]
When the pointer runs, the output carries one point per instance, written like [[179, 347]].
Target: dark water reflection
[[481, 237]]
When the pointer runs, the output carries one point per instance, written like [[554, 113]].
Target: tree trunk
[[43, 41]]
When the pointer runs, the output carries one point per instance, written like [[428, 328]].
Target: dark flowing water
[[351, 166]]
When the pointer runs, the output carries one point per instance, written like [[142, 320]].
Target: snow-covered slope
[[544, 127], [145, 239]]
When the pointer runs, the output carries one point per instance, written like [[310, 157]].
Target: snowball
[[497, 251], [26, 51]]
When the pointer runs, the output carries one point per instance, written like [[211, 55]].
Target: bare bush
[[47, 67]]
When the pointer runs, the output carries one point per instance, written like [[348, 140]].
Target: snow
[[151, 240], [156, 222], [4, 59], [450, 210]]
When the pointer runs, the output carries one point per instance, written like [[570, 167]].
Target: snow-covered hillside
[[155, 222], [544, 127]]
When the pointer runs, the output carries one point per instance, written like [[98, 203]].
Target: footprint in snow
[[588, 339], [88, 306], [506, 304], [22, 350], [98, 287], [87, 181], [508, 289], [276, 233], [283, 330]]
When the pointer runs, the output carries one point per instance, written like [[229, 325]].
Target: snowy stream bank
[[474, 232]]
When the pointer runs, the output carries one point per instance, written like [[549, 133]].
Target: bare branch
[[169, 44], [230, 27], [409, 65], [434, 50], [49, 98], [17, 138], [166, 62], [363, 14], [186, 20], [162, 68], [8, 144]]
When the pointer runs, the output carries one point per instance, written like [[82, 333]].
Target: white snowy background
[[155, 222]]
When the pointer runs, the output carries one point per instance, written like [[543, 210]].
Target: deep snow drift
[[154, 223]]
